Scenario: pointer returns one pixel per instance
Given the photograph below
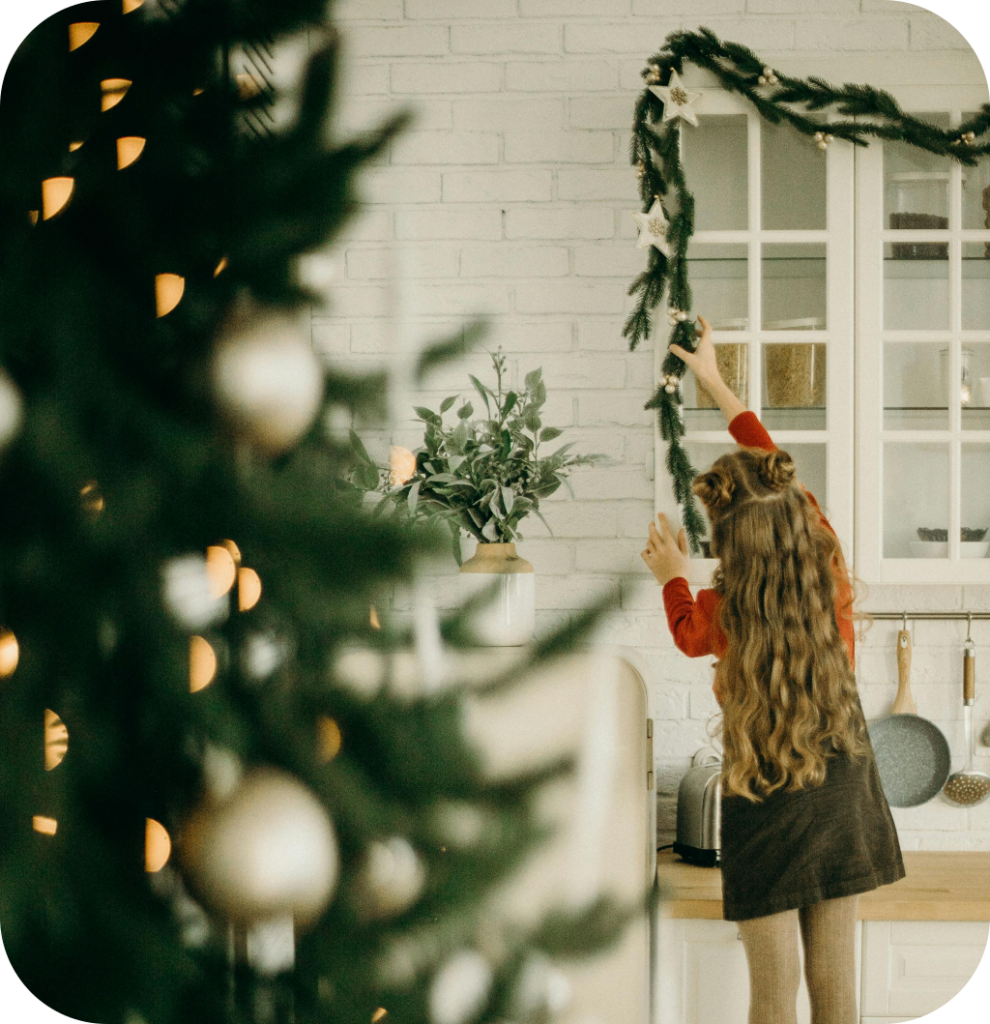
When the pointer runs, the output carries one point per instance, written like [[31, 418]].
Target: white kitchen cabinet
[[911, 968], [906, 968], [849, 291]]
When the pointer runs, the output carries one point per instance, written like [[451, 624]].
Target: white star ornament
[[653, 228], [677, 100]]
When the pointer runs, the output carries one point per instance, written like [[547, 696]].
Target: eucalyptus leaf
[[447, 403], [466, 411], [550, 433]]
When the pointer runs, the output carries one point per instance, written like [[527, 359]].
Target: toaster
[[699, 811]]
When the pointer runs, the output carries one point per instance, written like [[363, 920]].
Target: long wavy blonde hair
[[789, 699]]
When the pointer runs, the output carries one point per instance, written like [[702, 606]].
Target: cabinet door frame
[[869, 563], [838, 237]]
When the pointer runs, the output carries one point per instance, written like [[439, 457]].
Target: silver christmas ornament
[[670, 388], [762, 80], [267, 851], [460, 988], [390, 880], [11, 410], [267, 379], [542, 988], [681, 316]]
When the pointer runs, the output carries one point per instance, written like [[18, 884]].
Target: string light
[[33, 216], [56, 740], [247, 86], [132, 5], [169, 289], [46, 826], [379, 1014], [248, 589], [375, 624], [329, 739], [221, 267], [157, 846], [10, 653], [129, 149], [220, 569], [55, 193], [73, 146], [81, 32], [235, 551], [114, 90], [92, 499], [202, 664]]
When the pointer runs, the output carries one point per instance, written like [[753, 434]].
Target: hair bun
[[715, 488], [776, 470]]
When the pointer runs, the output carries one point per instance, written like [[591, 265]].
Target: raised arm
[[704, 366]]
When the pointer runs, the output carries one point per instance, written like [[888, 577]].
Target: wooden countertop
[[938, 887]]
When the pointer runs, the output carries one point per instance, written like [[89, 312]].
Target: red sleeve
[[748, 432], [691, 622]]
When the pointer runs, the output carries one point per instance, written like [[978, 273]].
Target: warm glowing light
[[235, 551], [92, 499], [328, 739], [169, 289], [220, 569], [380, 1014], [202, 664], [129, 149], [56, 740], [248, 589], [198, 92], [221, 267], [132, 5], [402, 465], [114, 90], [157, 846], [33, 216], [247, 86], [73, 146], [81, 32], [10, 653], [375, 623], [46, 826], [55, 193]]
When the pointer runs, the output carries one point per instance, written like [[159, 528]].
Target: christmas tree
[[189, 578]]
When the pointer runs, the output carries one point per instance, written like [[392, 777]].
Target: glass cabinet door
[[923, 354], [770, 268]]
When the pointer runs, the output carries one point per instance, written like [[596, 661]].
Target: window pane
[[975, 367], [915, 500], [794, 386], [916, 286], [794, 287], [976, 193], [976, 286], [915, 386], [975, 508], [794, 176], [916, 184], [716, 163], [720, 284], [700, 410]]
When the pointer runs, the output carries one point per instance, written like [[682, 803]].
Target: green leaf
[[509, 499], [413, 498], [532, 420], [483, 391], [460, 436], [427, 415], [489, 530], [533, 378], [466, 411], [358, 446], [447, 403], [550, 433], [510, 403]]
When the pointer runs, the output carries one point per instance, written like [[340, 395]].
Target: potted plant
[[485, 475]]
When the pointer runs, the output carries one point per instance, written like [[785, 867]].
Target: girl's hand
[[666, 555], [701, 362]]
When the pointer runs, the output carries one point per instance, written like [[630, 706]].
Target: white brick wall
[[512, 196]]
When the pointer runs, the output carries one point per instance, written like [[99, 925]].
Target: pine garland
[[655, 149]]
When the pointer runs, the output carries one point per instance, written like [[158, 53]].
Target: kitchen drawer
[[911, 968]]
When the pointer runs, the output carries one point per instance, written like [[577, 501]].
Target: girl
[[805, 825]]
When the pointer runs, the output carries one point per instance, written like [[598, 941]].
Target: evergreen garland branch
[[779, 99]]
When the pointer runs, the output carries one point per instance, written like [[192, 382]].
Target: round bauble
[[460, 988], [188, 593], [390, 880], [267, 380], [542, 988], [269, 850], [11, 410]]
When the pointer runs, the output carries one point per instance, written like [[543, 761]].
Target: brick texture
[[511, 197]]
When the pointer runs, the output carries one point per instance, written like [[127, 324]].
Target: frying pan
[[912, 754]]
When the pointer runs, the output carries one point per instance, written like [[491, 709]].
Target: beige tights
[[828, 931]]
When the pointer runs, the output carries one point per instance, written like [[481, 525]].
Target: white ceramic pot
[[508, 618]]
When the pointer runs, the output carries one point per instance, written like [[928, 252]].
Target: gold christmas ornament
[[268, 850], [267, 380]]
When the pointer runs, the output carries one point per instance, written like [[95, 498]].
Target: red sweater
[[694, 622]]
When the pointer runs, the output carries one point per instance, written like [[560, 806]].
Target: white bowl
[[940, 548]]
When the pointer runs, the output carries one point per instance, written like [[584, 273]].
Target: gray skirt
[[798, 848]]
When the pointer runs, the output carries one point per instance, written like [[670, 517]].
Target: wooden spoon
[[904, 701]]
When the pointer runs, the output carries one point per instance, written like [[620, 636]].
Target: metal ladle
[[968, 787]]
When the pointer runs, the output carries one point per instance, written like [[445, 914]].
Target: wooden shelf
[[939, 886]]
